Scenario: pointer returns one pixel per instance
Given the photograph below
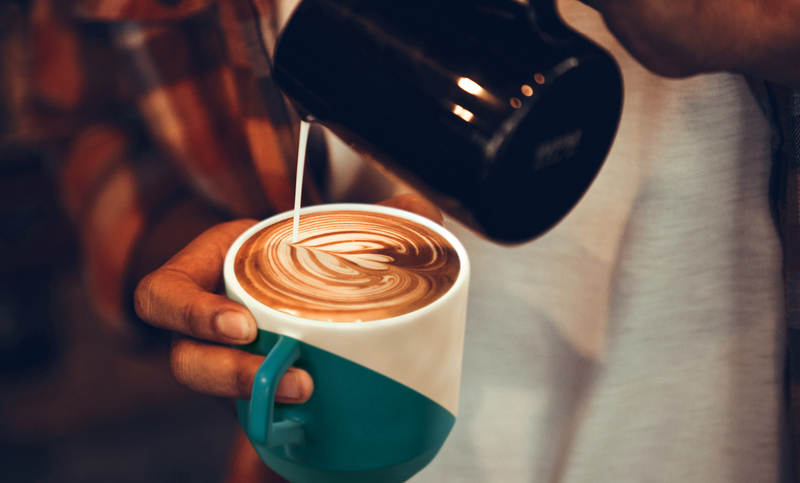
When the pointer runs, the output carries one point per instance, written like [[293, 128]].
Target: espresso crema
[[347, 266]]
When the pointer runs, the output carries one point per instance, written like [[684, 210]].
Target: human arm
[[679, 38]]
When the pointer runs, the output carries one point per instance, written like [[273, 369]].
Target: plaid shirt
[[149, 105]]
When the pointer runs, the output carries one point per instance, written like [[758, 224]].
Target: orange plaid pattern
[[152, 105]]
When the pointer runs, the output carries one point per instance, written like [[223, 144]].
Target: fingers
[[415, 204], [179, 295], [229, 372]]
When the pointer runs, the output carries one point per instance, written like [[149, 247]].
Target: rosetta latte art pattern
[[347, 266]]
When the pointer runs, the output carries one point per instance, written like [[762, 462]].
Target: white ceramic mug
[[386, 391]]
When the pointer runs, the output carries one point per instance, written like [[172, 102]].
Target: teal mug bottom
[[295, 472], [358, 426]]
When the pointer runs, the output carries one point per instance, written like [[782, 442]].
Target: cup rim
[[232, 283]]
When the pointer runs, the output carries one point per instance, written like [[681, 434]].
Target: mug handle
[[261, 428]]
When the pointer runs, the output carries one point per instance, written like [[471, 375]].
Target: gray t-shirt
[[639, 340]]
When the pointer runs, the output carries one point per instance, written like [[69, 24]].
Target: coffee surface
[[347, 266]]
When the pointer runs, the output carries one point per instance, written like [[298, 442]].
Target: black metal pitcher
[[494, 109]]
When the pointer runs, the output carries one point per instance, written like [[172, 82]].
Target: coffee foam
[[347, 266]]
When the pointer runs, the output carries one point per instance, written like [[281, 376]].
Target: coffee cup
[[386, 373]]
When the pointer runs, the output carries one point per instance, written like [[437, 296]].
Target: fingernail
[[233, 325], [290, 389]]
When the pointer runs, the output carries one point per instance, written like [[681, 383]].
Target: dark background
[[76, 405]]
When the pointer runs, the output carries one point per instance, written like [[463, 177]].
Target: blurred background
[[75, 404]]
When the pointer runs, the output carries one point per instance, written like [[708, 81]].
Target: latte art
[[347, 266]]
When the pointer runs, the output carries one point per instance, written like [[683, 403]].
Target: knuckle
[[241, 224], [180, 361], [195, 323], [243, 380]]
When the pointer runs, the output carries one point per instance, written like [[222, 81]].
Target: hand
[[678, 38], [181, 296], [415, 204]]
